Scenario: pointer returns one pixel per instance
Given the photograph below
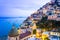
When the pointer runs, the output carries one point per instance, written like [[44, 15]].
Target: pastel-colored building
[[36, 16], [52, 17]]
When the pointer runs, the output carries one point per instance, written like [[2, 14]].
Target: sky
[[18, 8]]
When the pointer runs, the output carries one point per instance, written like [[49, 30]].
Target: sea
[[6, 25]]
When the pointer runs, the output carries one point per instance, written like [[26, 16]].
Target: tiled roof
[[25, 34]]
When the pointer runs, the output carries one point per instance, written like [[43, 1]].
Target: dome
[[13, 32]]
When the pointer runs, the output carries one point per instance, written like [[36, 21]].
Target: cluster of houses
[[51, 10]]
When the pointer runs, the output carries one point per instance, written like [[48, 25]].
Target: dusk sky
[[17, 8]]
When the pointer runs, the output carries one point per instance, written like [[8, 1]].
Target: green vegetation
[[47, 24], [47, 38], [34, 31]]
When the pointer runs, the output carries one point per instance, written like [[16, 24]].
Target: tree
[[47, 24], [34, 31]]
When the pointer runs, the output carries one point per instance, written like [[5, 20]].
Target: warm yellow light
[[34, 26], [44, 30], [44, 36], [18, 31], [37, 35]]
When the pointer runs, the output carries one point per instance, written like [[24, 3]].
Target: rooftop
[[25, 34], [13, 32]]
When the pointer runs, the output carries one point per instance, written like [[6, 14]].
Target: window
[[58, 2], [50, 13]]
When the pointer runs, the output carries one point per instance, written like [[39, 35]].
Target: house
[[52, 17], [58, 2], [36, 16], [55, 32]]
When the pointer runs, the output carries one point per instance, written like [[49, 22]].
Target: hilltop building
[[52, 10]]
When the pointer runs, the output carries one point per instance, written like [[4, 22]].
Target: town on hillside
[[44, 24]]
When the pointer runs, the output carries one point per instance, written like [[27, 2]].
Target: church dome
[[13, 32]]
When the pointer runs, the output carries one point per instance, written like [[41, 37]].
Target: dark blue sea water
[[6, 24]]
